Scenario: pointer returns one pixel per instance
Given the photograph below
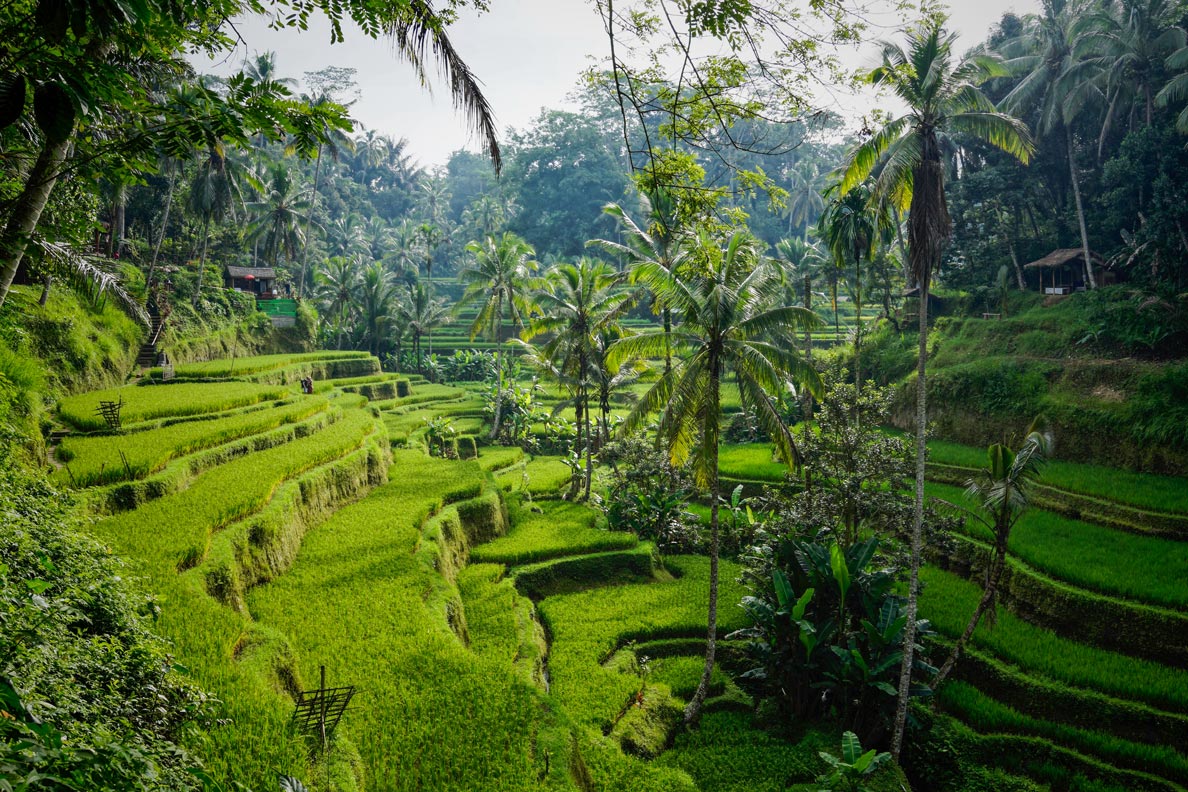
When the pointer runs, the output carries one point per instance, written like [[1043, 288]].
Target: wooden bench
[[991, 316]]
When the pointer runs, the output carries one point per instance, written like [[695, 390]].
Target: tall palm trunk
[[808, 343], [202, 260], [1076, 185], [693, 709], [667, 315], [1018, 268], [993, 575], [26, 210], [909, 631], [589, 443], [857, 329], [313, 202], [929, 229], [148, 278], [498, 388]]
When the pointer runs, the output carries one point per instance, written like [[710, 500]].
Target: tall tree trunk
[[202, 260], [909, 630], [589, 444], [1018, 269], [857, 330], [313, 202], [693, 709], [808, 344], [1076, 185], [992, 577], [46, 283], [26, 211], [148, 278], [498, 389], [667, 315]]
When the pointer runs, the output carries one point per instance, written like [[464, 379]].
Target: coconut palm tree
[[376, 298], [1056, 86], [1002, 492], [215, 193], [278, 216], [850, 227], [334, 142], [419, 314], [943, 99], [338, 282], [659, 241], [1126, 46], [577, 303], [497, 280], [726, 324]]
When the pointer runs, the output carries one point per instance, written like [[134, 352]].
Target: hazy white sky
[[528, 53]]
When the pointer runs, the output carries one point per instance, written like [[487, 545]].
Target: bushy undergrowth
[[162, 401], [89, 697], [947, 601], [1148, 569]]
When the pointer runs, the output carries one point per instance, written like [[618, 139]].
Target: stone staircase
[[147, 356]]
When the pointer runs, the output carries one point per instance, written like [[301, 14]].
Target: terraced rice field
[[501, 639]]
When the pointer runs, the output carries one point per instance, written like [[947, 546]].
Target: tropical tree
[[943, 100], [659, 242], [577, 304], [850, 227], [334, 142], [1056, 86], [1125, 47], [338, 282], [726, 325], [278, 216], [215, 193], [419, 315], [497, 281], [376, 297], [1002, 492]]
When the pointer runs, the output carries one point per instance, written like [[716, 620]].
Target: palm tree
[[660, 241], [376, 296], [1176, 89], [278, 216], [1125, 47], [725, 325], [1057, 84], [498, 279], [1002, 493], [850, 226], [577, 304], [335, 141], [420, 314], [338, 282], [214, 194], [805, 202], [942, 100]]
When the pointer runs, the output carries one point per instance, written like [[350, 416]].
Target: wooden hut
[[260, 281], [1063, 271]]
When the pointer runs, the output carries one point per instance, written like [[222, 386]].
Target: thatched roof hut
[[1063, 271]]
